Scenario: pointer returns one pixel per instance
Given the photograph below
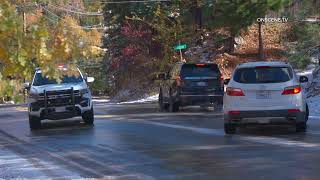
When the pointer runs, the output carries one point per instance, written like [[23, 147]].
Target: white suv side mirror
[[90, 79]]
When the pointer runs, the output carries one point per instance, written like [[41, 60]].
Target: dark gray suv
[[189, 84]]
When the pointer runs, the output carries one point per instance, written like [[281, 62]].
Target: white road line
[[313, 132], [258, 139]]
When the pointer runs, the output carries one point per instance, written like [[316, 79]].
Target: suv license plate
[[263, 95], [60, 109], [201, 84]]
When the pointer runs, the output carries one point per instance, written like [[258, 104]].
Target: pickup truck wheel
[[88, 117], [34, 122]]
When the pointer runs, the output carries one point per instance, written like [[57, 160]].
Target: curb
[[12, 105]]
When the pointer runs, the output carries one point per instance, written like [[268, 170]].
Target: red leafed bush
[[115, 63], [135, 31], [130, 50]]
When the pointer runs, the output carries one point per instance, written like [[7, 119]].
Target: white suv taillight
[[291, 90], [234, 91]]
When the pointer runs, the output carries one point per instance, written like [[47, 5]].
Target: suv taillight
[[221, 80], [234, 91], [291, 90]]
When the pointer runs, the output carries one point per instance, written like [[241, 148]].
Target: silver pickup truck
[[51, 100]]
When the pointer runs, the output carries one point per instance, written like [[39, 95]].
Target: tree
[[139, 37], [44, 45], [237, 15], [306, 35]]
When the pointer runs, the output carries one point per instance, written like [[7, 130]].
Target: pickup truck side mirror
[[226, 81], [27, 85], [90, 79], [303, 79], [161, 76]]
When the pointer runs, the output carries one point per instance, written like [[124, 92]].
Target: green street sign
[[180, 47]]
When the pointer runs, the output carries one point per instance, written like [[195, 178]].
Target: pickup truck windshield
[[199, 70], [40, 80]]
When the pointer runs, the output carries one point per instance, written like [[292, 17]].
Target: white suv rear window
[[263, 74]]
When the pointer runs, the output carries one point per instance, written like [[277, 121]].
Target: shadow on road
[[269, 130], [62, 127]]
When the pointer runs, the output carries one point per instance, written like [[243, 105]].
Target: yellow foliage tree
[[43, 45]]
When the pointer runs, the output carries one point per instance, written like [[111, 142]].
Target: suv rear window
[[263, 75], [200, 70]]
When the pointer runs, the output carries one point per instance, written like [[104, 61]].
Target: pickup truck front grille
[[60, 94], [59, 98], [58, 102]]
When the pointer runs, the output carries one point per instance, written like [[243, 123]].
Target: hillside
[[247, 48]]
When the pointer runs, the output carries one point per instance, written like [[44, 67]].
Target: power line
[[82, 27], [76, 12], [78, 26]]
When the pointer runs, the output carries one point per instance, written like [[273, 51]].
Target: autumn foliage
[[43, 45]]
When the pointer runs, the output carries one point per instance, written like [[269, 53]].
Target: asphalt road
[[136, 141]]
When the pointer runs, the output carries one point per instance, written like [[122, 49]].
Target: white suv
[[264, 93]]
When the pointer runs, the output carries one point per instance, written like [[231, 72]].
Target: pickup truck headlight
[[33, 95]]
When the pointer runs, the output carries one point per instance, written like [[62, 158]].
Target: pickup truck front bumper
[[61, 105]]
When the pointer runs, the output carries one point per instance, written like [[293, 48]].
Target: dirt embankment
[[274, 36]]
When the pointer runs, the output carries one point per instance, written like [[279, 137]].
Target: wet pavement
[[136, 141]]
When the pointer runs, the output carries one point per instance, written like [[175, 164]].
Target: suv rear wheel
[[307, 113], [173, 106], [34, 122], [229, 128], [88, 117], [301, 127], [163, 106]]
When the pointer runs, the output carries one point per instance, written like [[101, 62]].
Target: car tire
[[301, 124], [301, 127], [34, 122], [163, 106], [307, 113], [88, 117], [173, 106], [230, 128]]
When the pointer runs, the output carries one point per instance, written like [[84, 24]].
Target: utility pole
[[24, 18], [261, 55], [181, 58]]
